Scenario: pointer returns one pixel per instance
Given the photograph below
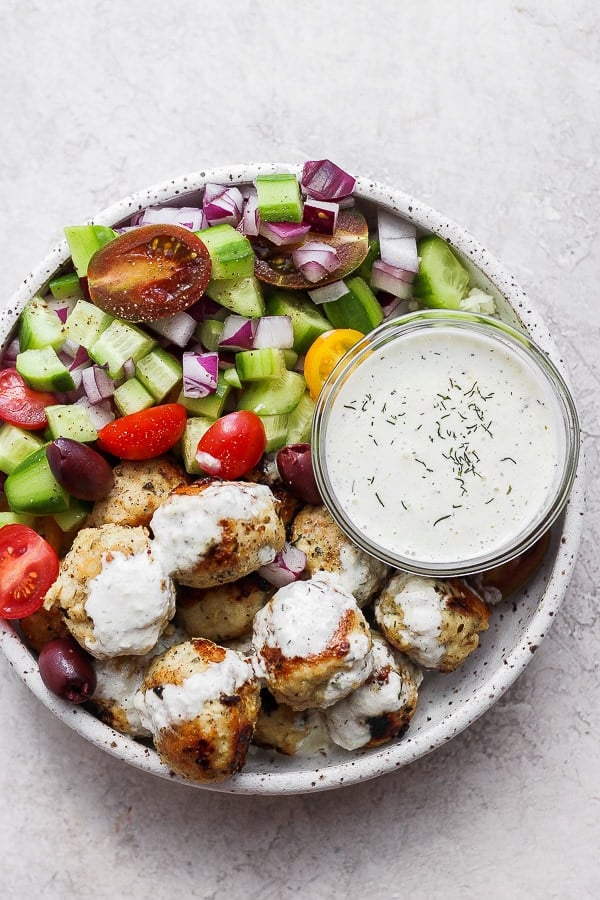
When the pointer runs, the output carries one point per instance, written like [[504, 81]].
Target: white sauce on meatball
[[421, 607], [130, 603]]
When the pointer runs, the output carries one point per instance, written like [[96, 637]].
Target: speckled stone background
[[489, 112]]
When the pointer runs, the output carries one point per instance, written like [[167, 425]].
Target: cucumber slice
[[241, 295], [279, 198], [300, 421], [276, 428], [131, 397], [358, 309], [159, 373], [212, 405], [442, 281], [31, 487], [40, 327], [15, 445], [257, 365], [366, 266], [73, 517], [231, 377], [10, 518], [209, 333], [275, 397], [86, 323], [71, 421], [194, 429], [43, 370], [231, 252], [84, 241], [65, 286], [120, 342], [307, 322], [291, 358]]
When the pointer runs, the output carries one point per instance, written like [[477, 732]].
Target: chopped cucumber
[[65, 286], [366, 266], [209, 333], [291, 358], [195, 428], [15, 445], [307, 322], [71, 422], [279, 198], [86, 323], [212, 405], [159, 373], [72, 517], [300, 421], [276, 428], [442, 281], [11, 518], [121, 341], [274, 397], [132, 396], [256, 365], [43, 370], [84, 241], [241, 295], [40, 327], [32, 488], [231, 377], [358, 309], [231, 252]]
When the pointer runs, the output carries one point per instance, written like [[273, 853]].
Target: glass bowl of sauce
[[445, 443]]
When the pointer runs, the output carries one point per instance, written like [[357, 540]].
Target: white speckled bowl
[[448, 703]]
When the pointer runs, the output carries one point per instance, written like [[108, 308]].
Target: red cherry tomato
[[145, 434], [21, 406], [233, 445], [28, 566], [150, 272]]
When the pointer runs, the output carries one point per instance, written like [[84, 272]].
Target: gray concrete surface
[[489, 112]]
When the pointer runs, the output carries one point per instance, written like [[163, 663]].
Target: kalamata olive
[[79, 469], [296, 470], [67, 671]]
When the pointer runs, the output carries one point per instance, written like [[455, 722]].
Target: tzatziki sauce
[[444, 444]]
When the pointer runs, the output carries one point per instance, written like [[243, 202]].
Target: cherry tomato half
[[145, 434], [324, 353], [233, 445], [150, 272], [21, 406], [28, 566]]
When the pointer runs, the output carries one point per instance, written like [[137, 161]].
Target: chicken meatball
[[43, 626], [200, 702], [114, 593], [328, 549], [436, 623], [312, 643], [223, 612], [139, 488], [214, 532], [381, 708], [289, 731]]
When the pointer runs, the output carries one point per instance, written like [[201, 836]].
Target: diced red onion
[[250, 221], [208, 463], [100, 413], [178, 328], [280, 233], [62, 308], [346, 202], [226, 363], [323, 180], [238, 333], [200, 373], [274, 331], [315, 260], [129, 368], [288, 566], [224, 207], [328, 293], [321, 215], [390, 279], [11, 351], [97, 383], [397, 241], [187, 216]]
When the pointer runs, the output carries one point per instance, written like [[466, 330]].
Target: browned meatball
[[222, 612], [291, 732]]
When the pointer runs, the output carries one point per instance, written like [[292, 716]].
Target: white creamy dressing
[[177, 703], [359, 573], [411, 607], [444, 445], [130, 603]]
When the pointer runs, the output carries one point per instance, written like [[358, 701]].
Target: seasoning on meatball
[[214, 532], [42, 626], [436, 623], [289, 731], [312, 643], [328, 549], [381, 708], [113, 591], [200, 702], [222, 612], [140, 486]]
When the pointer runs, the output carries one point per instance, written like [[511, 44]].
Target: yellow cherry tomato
[[324, 353]]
